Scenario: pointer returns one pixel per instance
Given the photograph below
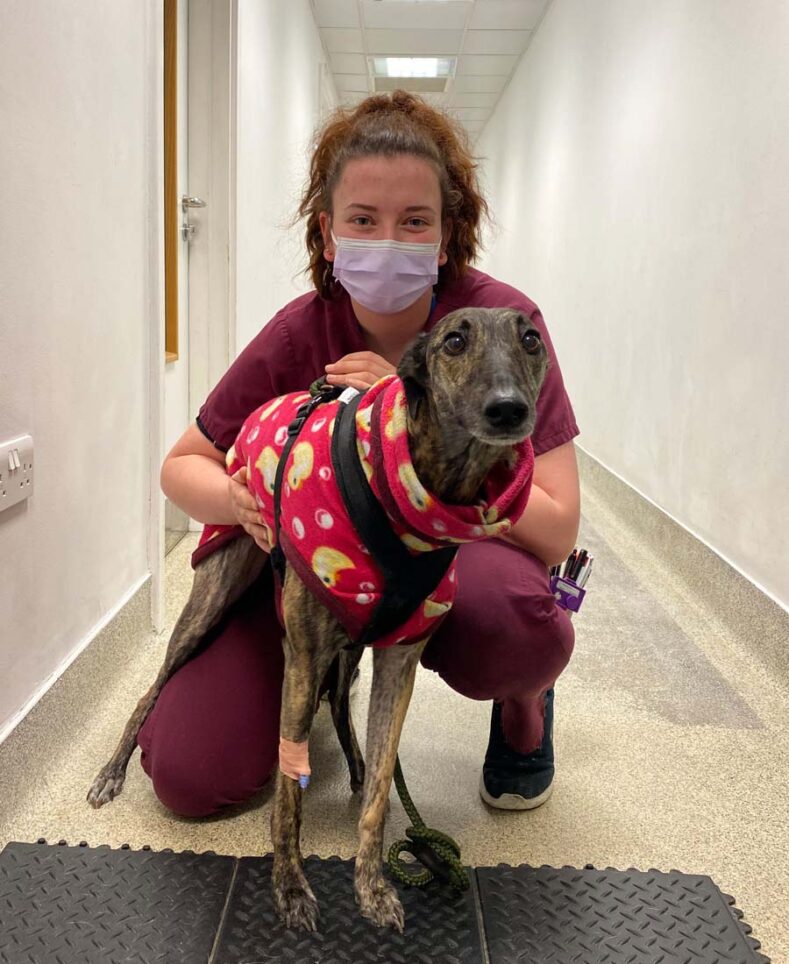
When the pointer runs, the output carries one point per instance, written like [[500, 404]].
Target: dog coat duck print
[[317, 535]]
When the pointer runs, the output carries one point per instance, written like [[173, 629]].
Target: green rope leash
[[436, 851]]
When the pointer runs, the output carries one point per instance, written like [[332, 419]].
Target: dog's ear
[[413, 372]]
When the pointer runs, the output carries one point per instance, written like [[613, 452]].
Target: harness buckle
[[295, 426]]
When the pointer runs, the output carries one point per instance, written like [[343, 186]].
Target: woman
[[393, 171]]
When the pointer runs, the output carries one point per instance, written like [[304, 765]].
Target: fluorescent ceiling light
[[412, 66]]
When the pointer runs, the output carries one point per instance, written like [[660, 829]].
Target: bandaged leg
[[294, 760]]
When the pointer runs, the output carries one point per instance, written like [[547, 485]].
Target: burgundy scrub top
[[292, 350]]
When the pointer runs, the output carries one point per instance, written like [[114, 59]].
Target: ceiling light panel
[[412, 66], [496, 41], [336, 13], [393, 15], [414, 43], [507, 14]]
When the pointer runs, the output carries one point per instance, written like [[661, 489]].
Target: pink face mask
[[385, 276]]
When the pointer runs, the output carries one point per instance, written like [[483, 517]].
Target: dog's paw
[[107, 785], [296, 904], [379, 903]]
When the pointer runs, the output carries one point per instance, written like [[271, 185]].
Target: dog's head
[[485, 366]]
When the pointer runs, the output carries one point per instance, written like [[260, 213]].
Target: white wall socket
[[16, 470]]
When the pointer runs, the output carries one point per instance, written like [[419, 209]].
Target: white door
[[211, 169], [206, 177]]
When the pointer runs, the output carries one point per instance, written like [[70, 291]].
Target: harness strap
[[302, 414], [408, 579]]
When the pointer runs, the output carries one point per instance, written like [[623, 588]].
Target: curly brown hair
[[391, 124]]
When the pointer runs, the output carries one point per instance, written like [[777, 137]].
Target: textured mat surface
[[542, 914], [80, 905]]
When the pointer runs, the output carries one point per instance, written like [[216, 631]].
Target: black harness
[[408, 580]]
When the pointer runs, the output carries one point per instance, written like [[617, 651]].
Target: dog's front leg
[[311, 643], [394, 669]]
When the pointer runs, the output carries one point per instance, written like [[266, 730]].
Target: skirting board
[[742, 607]]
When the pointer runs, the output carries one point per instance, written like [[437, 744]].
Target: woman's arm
[[549, 526], [194, 477]]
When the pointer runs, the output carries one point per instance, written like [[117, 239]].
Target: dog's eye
[[454, 343], [532, 341]]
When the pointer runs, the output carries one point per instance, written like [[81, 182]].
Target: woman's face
[[398, 198]]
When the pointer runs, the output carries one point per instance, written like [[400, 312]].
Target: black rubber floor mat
[[77, 905], [102, 906], [440, 925], [538, 915]]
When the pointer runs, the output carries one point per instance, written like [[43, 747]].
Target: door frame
[[212, 60]]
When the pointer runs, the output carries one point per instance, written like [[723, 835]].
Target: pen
[[568, 566], [584, 555], [585, 574]]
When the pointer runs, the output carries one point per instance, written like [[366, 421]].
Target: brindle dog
[[471, 386]]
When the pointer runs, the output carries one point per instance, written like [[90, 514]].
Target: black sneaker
[[517, 781]]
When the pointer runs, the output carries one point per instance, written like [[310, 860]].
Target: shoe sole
[[513, 801]]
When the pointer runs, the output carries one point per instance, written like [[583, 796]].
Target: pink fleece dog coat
[[317, 536]]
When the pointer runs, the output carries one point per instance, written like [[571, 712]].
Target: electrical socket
[[16, 470]]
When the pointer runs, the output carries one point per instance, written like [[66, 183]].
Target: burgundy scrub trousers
[[213, 737]]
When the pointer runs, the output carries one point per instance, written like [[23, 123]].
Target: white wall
[[637, 165], [80, 95], [279, 58]]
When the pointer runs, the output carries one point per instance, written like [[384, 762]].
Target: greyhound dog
[[470, 387]]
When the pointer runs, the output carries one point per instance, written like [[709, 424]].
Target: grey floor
[[671, 742]]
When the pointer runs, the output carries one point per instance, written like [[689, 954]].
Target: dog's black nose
[[506, 412]]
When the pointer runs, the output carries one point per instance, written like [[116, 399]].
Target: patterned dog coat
[[317, 536]]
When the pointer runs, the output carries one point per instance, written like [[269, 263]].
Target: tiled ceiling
[[487, 38]]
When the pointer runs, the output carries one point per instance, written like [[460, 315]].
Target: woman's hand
[[246, 509], [360, 369]]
